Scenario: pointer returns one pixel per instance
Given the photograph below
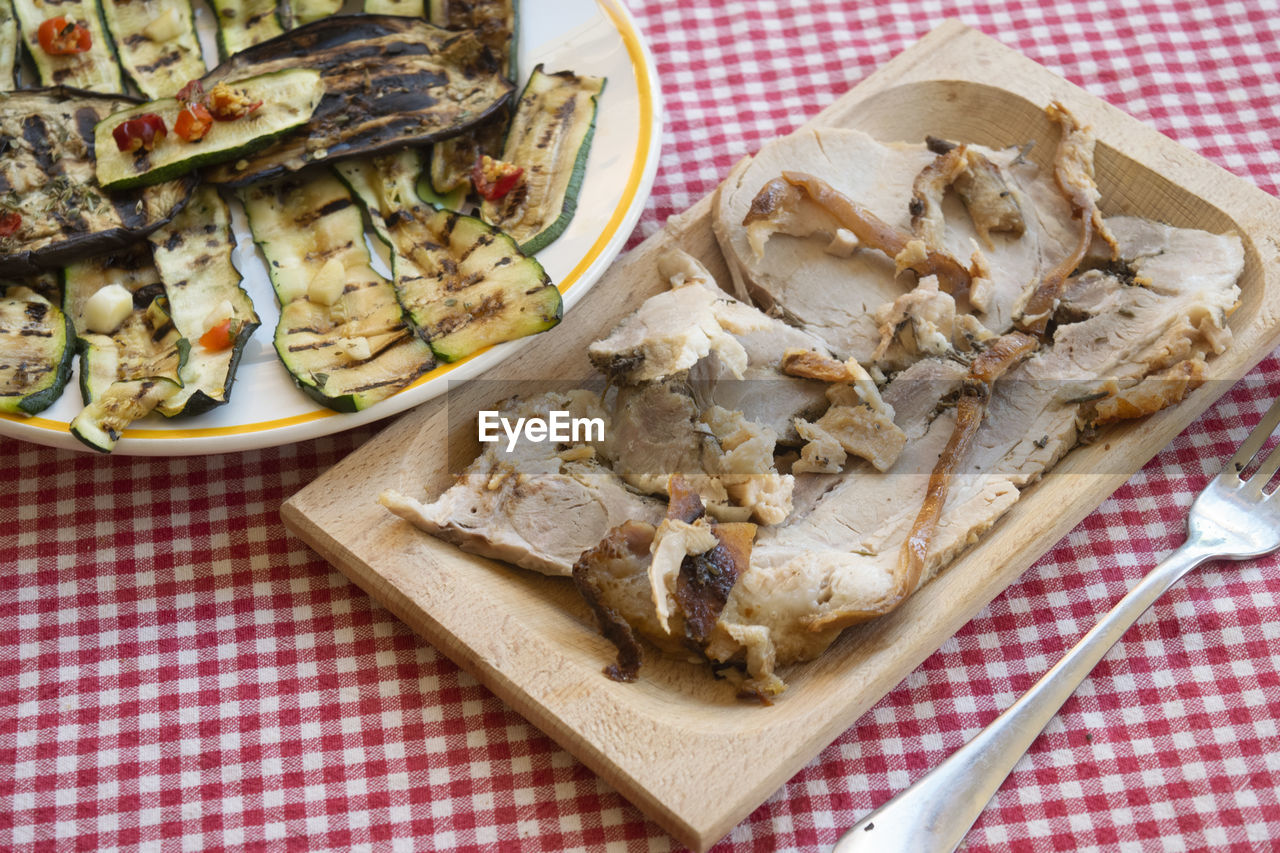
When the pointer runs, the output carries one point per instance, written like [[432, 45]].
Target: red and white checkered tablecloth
[[176, 672]]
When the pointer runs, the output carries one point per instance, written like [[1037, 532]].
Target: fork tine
[[1267, 470], [1254, 442]]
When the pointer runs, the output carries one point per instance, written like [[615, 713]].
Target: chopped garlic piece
[[106, 309], [222, 311], [326, 288], [166, 26]]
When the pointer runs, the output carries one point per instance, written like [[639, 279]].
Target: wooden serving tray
[[677, 743]]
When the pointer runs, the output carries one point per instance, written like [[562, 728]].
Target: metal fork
[[1232, 518]]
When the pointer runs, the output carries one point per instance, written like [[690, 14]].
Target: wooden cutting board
[[677, 743]]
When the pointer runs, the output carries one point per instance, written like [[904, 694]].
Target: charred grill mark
[[165, 61], [85, 118], [162, 331], [36, 134], [175, 240], [130, 208], [311, 217], [482, 242], [36, 311]]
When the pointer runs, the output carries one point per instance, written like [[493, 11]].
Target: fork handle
[[937, 811]]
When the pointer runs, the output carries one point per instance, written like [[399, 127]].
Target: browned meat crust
[[611, 577], [873, 232], [706, 579], [1073, 171], [987, 197], [1003, 353], [598, 573]]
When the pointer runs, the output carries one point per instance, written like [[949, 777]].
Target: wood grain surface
[[677, 743]]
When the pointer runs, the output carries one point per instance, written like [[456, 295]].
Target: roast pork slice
[[831, 292], [538, 506]]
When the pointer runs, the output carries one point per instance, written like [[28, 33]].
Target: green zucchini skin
[[288, 96], [193, 256], [244, 23], [156, 43], [95, 70], [302, 224], [37, 344], [424, 84], [65, 214], [560, 107], [8, 46]]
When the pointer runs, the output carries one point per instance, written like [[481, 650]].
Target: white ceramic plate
[[595, 37]]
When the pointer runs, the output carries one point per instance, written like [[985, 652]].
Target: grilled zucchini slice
[[156, 40], [296, 13], [389, 82], [101, 422], [550, 138], [244, 23], [8, 47], [383, 184], [36, 347], [463, 284], [408, 8], [126, 372], [95, 69], [193, 256], [47, 178], [341, 333], [288, 97]]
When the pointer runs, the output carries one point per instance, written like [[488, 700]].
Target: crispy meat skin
[[596, 571], [1002, 354], [875, 233], [1073, 171]]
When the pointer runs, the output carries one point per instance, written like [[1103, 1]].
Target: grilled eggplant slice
[[288, 99], [47, 178], [95, 69], [8, 46], [193, 256], [244, 23], [156, 40], [341, 333], [550, 138], [495, 24], [126, 372], [389, 82], [36, 347]]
